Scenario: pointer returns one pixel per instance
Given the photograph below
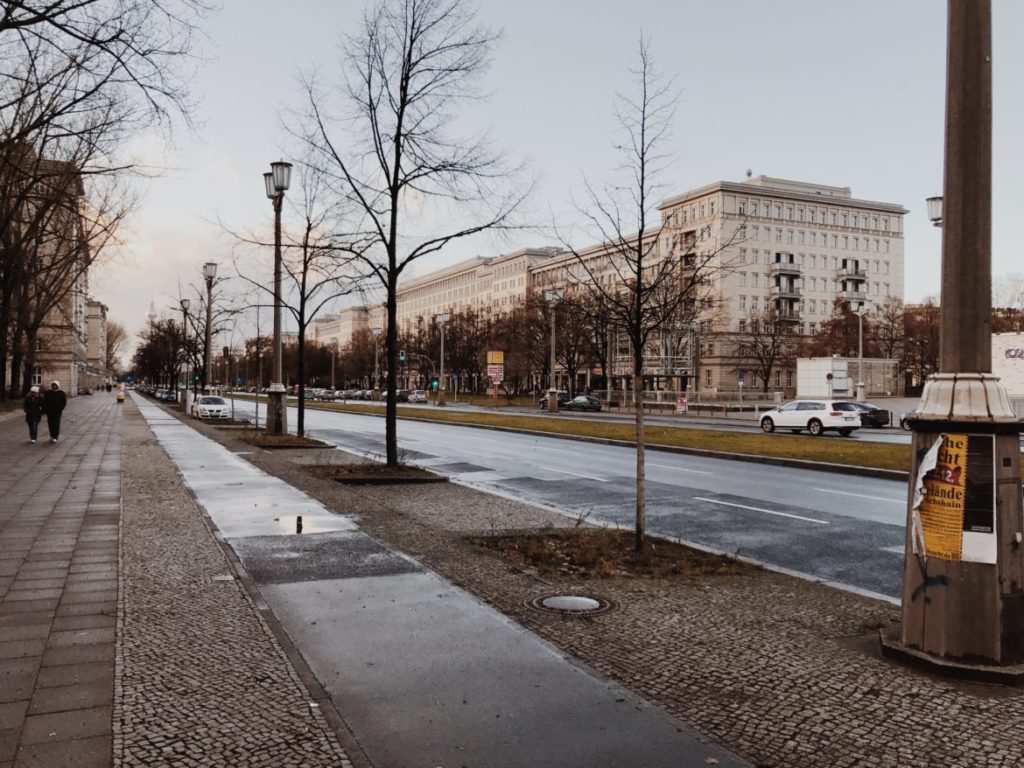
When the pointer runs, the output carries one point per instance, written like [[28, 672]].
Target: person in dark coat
[[33, 406], [54, 403]]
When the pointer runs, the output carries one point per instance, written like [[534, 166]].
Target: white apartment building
[[775, 244]]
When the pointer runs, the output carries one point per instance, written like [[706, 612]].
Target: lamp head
[[282, 173], [210, 270], [185, 303], [268, 182], [935, 210]]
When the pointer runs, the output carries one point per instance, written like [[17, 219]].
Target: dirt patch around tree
[[263, 440], [375, 473], [587, 553]]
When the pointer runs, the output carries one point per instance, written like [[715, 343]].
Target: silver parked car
[[211, 407]]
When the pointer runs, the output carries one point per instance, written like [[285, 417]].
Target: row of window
[[813, 261], [824, 239], [811, 306], [811, 284], [794, 212]]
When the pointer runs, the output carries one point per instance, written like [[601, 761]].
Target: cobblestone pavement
[[783, 672], [59, 509], [201, 679]]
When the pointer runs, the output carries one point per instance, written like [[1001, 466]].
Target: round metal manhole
[[571, 605]]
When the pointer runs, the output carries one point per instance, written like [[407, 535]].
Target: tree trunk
[[391, 360], [639, 413], [300, 427]]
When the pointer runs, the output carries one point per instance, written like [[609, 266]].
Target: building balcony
[[783, 268], [852, 273], [853, 296], [786, 292]]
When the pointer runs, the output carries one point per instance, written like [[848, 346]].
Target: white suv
[[816, 416]]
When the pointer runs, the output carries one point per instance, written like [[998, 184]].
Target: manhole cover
[[571, 605]]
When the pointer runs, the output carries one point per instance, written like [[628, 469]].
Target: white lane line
[[679, 469], [863, 496], [759, 509], [575, 474], [899, 550]]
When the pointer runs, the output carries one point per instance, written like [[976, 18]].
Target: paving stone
[[66, 726], [78, 654], [76, 674], [95, 752], [68, 697]]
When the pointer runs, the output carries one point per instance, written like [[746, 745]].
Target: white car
[[211, 407], [816, 416], [418, 396]]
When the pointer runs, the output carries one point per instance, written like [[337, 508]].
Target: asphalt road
[[835, 528]]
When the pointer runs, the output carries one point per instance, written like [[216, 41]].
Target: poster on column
[[956, 505]]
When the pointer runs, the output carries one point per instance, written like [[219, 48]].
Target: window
[[708, 376], [789, 213], [812, 328], [885, 246], [753, 303], [37, 375], [778, 378], [846, 242], [789, 378], [800, 238], [885, 223], [753, 279], [799, 214], [743, 326], [833, 217], [846, 220], [885, 267], [742, 207], [743, 302], [778, 211], [743, 256], [778, 235], [789, 236], [712, 208], [743, 232], [756, 257], [814, 283], [813, 309], [756, 233], [702, 214], [835, 241], [743, 279]]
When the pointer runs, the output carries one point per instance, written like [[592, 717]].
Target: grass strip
[[876, 455]]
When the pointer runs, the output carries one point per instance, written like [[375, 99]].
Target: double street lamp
[[551, 296], [209, 272], [185, 303], [277, 181], [441, 321]]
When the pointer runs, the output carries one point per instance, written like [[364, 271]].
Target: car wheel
[[815, 427], [767, 425], [845, 432], [904, 425]]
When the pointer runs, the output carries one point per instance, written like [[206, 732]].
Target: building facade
[[790, 249]]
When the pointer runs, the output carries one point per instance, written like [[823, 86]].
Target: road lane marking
[[898, 550], [576, 474], [759, 509], [680, 469], [863, 496]]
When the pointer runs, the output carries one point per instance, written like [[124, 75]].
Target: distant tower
[[151, 315]]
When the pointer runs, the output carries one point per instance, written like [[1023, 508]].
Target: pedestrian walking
[[54, 402], [33, 406]]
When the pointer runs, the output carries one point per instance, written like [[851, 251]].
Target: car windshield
[[212, 401]]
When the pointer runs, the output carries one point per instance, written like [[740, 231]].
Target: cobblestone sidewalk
[[201, 680]]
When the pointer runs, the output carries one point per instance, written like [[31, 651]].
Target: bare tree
[[886, 327], [650, 282], [765, 344], [116, 341], [411, 69]]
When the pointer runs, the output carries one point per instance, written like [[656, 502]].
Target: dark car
[[903, 419], [871, 415], [583, 403], [563, 398]]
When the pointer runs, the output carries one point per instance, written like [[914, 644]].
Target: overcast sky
[[828, 91]]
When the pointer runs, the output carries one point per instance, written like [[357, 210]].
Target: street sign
[[495, 358], [496, 372]]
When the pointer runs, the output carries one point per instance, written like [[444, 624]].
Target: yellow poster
[[943, 500]]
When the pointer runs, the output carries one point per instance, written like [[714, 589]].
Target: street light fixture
[[552, 295], [277, 181], [935, 210], [185, 303], [209, 272], [862, 308], [442, 320]]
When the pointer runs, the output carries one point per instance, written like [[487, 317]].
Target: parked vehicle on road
[[563, 398], [871, 415], [211, 407], [903, 419], [417, 396], [583, 403], [816, 416]]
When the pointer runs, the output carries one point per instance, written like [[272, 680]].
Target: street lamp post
[[333, 350], [185, 303], [376, 363], [862, 307], [276, 182], [551, 296], [441, 320], [209, 272]]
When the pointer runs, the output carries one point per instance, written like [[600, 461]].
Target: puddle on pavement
[[294, 525]]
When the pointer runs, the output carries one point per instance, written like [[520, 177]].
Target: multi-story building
[[95, 372], [769, 248]]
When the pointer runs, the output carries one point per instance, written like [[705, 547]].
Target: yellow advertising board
[[955, 505]]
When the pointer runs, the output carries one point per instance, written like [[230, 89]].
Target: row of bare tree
[[77, 79]]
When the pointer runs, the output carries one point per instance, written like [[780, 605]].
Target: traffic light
[[401, 355], [433, 384]]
